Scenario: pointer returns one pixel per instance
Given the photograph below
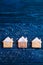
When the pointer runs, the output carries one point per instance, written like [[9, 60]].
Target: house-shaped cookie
[[22, 42], [8, 42], [36, 43]]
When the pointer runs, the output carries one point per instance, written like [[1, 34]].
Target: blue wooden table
[[21, 18]]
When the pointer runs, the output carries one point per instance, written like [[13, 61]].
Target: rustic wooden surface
[[21, 18]]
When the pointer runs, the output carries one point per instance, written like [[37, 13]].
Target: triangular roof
[[22, 39], [8, 39], [37, 39]]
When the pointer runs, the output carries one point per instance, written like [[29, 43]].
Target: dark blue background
[[21, 18]]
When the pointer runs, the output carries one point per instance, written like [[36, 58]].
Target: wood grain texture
[[21, 18]]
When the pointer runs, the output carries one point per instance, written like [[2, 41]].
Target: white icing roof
[[22, 39], [37, 39], [8, 39]]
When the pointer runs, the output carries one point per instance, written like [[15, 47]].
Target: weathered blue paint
[[21, 18]]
